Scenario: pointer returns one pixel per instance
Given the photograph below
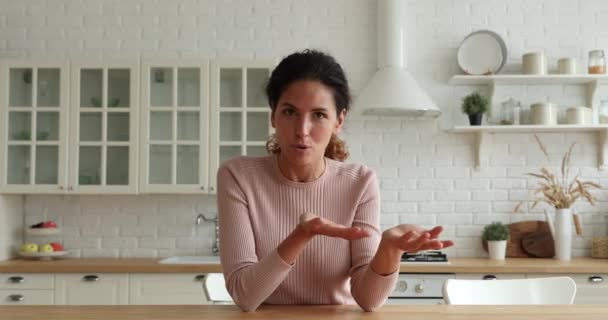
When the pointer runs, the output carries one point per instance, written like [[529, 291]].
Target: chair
[[214, 287], [554, 290]]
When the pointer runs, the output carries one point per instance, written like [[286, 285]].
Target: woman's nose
[[303, 126]]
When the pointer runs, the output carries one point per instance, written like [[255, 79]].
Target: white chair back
[[553, 290], [214, 287]]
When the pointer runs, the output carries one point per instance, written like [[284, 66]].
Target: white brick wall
[[426, 175]]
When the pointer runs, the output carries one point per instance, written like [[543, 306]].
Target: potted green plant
[[496, 234], [475, 105]]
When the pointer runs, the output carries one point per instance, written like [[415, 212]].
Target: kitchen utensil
[[482, 52], [539, 244], [517, 231], [534, 63], [544, 113]]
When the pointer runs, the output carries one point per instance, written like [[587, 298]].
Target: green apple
[[46, 248], [29, 247]]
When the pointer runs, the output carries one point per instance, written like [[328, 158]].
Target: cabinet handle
[[90, 278], [199, 277], [16, 279], [596, 279], [202, 188], [70, 188], [16, 297], [60, 187], [211, 188], [489, 277]]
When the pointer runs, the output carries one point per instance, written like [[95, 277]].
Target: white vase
[[563, 234], [497, 249]]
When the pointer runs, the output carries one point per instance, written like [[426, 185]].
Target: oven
[[419, 288]]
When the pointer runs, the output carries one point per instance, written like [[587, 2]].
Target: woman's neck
[[305, 173]]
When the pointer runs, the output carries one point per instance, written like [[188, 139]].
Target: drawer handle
[[16, 279], [90, 278], [596, 279], [489, 277], [16, 297], [199, 277]]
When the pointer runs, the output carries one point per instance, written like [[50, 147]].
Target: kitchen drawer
[[92, 289], [166, 288], [590, 288], [490, 276], [27, 281], [26, 297]]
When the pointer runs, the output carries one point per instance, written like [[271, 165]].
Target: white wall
[[426, 174], [11, 225]]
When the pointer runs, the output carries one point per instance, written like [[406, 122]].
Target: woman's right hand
[[312, 225]]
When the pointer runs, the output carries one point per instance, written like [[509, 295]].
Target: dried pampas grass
[[560, 192]]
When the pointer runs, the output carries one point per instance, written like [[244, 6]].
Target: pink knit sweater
[[259, 207]]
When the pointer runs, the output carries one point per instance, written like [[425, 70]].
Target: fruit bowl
[[43, 255], [42, 231]]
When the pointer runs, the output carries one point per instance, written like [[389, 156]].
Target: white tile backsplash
[[426, 174]]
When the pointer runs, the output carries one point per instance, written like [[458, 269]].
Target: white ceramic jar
[[566, 66], [579, 115], [534, 63], [544, 113]]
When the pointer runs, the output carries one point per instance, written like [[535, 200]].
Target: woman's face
[[305, 119]]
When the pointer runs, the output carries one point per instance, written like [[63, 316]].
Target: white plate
[[43, 255], [42, 231], [482, 52]]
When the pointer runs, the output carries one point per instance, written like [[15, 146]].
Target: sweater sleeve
[[248, 280], [368, 288]]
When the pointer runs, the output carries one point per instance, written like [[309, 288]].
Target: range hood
[[392, 91]]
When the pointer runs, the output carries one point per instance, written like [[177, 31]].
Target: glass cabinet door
[[240, 110], [175, 117], [35, 107], [105, 118]]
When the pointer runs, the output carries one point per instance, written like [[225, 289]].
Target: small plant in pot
[[497, 235], [475, 105]]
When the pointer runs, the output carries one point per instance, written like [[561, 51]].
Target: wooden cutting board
[[534, 234]]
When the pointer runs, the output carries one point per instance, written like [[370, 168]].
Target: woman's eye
[[320, 115], [288, 112]]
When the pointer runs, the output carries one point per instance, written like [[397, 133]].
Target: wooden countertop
[[392, 312], [456, 265]]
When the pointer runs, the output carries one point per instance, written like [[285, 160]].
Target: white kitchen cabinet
[[92, 289], [103, 127], [34, 113], [590, 288], [240, 115], [27, 289], [166, 289], [490, 276], [26, 297], [175, 127]]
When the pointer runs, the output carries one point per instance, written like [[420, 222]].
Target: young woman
[[301, 226]]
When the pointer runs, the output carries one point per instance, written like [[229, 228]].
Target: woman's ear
[[340, 121]]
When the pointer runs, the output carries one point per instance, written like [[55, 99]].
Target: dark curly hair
[[317, 66]]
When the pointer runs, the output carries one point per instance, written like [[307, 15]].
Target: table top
[[388, 312], [456, 265]]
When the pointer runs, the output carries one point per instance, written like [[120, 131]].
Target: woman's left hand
[[413, 238]]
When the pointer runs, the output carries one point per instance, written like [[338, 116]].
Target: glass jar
[[603, 112], [597, 62], [510, 112]]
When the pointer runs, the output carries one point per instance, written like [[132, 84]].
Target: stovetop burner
[[429, 256]]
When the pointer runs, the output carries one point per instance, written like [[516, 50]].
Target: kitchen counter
[[410, 312], [456, 265]]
